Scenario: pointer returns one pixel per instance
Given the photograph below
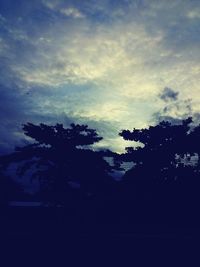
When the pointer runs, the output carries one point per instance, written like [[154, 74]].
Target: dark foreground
[[40, 236], [45, 222]]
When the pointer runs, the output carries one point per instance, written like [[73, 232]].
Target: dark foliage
[[61, 162], [163, 184], [165, 178]]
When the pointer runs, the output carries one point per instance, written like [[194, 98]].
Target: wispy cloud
[[64, 8], [103, 60], [72, 12], [194, 14]]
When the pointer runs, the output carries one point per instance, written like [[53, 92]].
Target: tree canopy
[[60, 158], [165, 173]]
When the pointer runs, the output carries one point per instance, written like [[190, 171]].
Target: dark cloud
[[174, 110], [42, 81], [169, 94], [158, 117], [18, 108], [12, 111]]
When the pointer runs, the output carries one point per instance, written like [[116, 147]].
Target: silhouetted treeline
[[164, 180]]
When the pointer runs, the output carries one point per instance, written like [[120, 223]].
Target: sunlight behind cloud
[[103, 61]]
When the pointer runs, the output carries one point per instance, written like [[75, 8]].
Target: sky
[[110, 64]]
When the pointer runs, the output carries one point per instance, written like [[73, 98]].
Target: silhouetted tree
[[163, 147], [61, 160], [166, 169]]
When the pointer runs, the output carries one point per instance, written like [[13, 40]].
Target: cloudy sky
[[111, 64]]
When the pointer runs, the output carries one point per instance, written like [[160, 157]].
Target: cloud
[[194, 14], [12, 112], [169, 94], [175, 111], [125, 56], [101, 60], [72, 12], [65, 8]]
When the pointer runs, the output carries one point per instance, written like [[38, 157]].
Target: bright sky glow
[[103, 62]]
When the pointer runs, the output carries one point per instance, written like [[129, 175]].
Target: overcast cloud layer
[[111, 64]]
